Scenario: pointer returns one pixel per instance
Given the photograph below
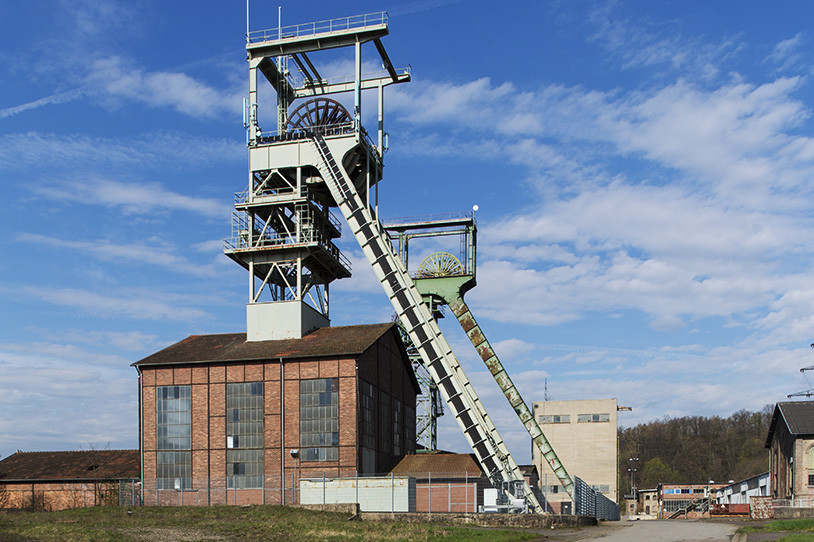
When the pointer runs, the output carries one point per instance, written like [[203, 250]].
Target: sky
[[642, 171]]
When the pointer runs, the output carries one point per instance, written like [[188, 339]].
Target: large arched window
[[811, 466]]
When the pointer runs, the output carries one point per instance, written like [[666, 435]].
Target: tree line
[[694, 449]]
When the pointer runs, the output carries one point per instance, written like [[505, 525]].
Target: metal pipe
[[141, 427], [282, 433]]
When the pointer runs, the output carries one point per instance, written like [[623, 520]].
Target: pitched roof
[[75, 465], [438, 464], [797, 415], [326, 341]]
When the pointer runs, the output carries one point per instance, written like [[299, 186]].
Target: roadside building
[[685, 500], [647, 503], [735, 498], [226, 420], [445, 482], [583, 434], [70, 479], [791, 450]]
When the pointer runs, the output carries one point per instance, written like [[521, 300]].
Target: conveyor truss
[[321, 157]]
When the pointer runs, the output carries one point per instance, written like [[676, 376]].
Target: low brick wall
[[783, 512], [340, 508], [526, 521]]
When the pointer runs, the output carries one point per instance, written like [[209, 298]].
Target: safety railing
[[341, 24], [800, 502]]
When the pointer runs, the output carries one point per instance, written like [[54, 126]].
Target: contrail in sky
[[423, 5], [62, 97]]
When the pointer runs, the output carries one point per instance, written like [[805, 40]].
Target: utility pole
[[633, 462]]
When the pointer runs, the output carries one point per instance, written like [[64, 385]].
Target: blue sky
[[642, 170]]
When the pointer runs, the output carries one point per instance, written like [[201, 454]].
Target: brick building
[[72, 479], [226, 420], [791, 450], [445, 482]]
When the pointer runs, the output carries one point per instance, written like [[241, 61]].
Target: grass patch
[[782, 525], [227, 523]]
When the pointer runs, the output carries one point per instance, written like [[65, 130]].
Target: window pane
[[319, 419], [244, 427]]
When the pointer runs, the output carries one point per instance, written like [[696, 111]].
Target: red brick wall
[[61, 495], [382, 365], [446, 496]]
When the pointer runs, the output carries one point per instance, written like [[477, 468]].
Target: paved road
[[653, 531]]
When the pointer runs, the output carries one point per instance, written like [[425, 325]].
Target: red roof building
[[60, 480], [226, 420]]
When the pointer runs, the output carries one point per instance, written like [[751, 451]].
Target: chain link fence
[[417, 492]]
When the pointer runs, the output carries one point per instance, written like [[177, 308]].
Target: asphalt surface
[[650, 531]]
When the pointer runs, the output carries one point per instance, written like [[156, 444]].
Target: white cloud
[[153, 252], [137, 304], [81, 152], [786, 55], [118, 79], [132, 198]]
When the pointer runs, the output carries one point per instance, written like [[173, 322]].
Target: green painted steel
[[489, 357]]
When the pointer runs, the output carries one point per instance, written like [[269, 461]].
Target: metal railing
[[589, 502], [416, 492], [800, 502], [320, 27], [295, 134]]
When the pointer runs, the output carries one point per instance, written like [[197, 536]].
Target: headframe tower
[[320, 157], [282, 226]]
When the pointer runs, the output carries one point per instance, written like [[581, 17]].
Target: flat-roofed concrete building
[[583, 434]]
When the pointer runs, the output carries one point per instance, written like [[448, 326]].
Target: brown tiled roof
[[798, 416], [439, 464], [76, 465], [327, 341]]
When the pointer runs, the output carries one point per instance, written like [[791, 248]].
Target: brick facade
[[67, 479], [377, 357]]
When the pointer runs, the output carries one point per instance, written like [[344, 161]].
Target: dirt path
[[650, 531]]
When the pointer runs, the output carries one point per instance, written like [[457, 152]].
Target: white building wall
[[741, 492], [587, 449]]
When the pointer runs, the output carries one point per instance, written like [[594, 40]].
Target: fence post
[[449, 496], [263, 487], [429, 489], [466, 491], [293, 492], [323, 488], [357, 489], [392, 494]]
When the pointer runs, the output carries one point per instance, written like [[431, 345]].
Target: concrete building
[[226, 420], [72, 479], [791, 450], [583, 433]]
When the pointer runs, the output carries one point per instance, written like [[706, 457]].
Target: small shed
[[445, 482], [71, 479]]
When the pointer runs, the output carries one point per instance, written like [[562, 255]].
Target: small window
[[554, 418], [593, 418]]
